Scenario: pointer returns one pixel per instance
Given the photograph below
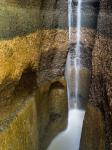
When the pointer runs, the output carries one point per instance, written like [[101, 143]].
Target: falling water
[[70, 138], [73, 63], [72, 74]]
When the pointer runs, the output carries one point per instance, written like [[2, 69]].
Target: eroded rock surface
[[33, 53]]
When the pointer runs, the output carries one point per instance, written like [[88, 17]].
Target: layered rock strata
[[33, 50]]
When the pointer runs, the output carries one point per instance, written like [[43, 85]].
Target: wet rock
[[52, 110], [93, 135]]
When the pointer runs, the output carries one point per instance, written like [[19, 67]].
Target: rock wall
[[33, 50]]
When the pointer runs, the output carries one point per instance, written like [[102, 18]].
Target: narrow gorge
[[35, 43]]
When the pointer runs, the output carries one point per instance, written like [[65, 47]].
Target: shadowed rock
[[44, 52]]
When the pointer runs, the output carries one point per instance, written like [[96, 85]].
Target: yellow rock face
[[18, 54], [21, 52], [40, 117], [21, 129]]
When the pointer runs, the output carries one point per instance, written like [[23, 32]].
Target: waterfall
[[72, 74], [73, 60], [76, 81]]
